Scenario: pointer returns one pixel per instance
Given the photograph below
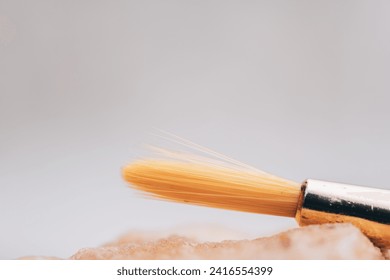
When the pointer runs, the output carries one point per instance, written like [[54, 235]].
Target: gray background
[[298, 88]]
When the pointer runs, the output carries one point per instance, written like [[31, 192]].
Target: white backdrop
[[298, 88]]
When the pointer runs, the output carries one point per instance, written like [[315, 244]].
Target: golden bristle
[[214, 186]]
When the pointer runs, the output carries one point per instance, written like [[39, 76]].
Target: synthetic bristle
[[215, 186]]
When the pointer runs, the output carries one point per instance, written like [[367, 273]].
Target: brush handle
[[366, 208]]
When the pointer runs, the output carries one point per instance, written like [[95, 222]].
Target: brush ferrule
[[366, 208]]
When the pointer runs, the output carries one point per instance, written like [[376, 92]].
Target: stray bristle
[[214, 186]]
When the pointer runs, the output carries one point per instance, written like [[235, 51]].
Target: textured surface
[[330, 241], [386, 253]]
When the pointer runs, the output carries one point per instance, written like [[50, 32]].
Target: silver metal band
[[366, 208]]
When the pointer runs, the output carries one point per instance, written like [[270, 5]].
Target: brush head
[[214, 185]]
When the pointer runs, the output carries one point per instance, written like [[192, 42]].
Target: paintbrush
[[188, 179]]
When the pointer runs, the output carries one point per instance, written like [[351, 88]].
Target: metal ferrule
[[366, 208]]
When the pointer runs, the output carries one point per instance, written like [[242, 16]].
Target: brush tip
[[213, 186]]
